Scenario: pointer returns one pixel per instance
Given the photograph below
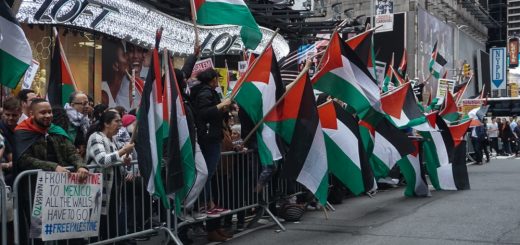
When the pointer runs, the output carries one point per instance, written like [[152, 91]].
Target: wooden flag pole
[[288, 89], [243, 78], [194, 21]]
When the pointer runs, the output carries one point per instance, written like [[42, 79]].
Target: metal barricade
[[137, 215], [234, 187], [3, 210]]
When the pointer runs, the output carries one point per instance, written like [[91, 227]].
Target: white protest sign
[[384, 22], [242, 66], [28, 78], [66, 208], [201, 66], [380, 72], [443, 85]]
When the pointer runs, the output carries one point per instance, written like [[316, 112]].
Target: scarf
[[77, 118]]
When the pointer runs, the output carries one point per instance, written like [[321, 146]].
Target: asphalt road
[[489, 213]]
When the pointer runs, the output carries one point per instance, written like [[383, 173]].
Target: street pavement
[[489, 213]]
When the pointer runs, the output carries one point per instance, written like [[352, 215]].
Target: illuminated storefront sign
[[137, 23]]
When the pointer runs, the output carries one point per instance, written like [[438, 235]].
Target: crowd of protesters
[[501, 135], [36, 135]]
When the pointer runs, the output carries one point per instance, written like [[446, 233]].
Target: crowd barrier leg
[[3, 206]]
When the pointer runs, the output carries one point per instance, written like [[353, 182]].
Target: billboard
[[383, 49], [431, 30]]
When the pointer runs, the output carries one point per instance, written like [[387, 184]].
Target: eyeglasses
[[80, 103]]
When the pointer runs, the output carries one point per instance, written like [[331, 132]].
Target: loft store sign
[[67, 11], [222, 44]]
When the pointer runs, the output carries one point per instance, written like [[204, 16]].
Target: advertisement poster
[[384, 22], [119, 61], [443, 86], [513, 52], [66, 208], [432, 30], [384, 7], [470, 104]]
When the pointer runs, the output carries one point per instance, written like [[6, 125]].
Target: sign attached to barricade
[[65, 207]]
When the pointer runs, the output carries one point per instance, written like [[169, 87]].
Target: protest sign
[[201, 66], [65, 207]]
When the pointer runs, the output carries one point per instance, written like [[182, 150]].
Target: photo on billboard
[[432, 30], [384, 7], [121, 61]]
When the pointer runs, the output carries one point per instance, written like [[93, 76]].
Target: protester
[[102, 150], [506, 136], [79, 122], [41, 145], [209, 112], [25, 96], [12, 112]]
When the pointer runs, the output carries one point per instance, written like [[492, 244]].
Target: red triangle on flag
[[328, 118], [289, 106], [262, 70], [432, 118], [393, 102]]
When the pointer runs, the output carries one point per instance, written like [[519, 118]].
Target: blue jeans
[[211, 153]]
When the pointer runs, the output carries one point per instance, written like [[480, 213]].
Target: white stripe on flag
[[385, 151], [14, 42], [346, 141], [315, 167], [234, 2], [446, 180]]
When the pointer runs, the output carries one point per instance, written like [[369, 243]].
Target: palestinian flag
[[403, 65], [344, 147], [390, 145], [257, 95], [181, 172], [388, 77], [437, 62], [397, 77], [15, 51], [446, 169], [296, 119], [230, 12], [449, 109], [61, 82], [150, 132], [362, 45], [401, 106], [413, 173], [459, 130], [166, 94], [344, 76], [458, 91], [367, 135]]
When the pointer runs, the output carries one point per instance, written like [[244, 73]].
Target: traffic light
[[466, 70]]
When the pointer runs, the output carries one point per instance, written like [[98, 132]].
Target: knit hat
[[128, 119]]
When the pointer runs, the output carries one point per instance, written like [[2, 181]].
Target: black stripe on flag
[[174, 171], [446, 136], [54, 90], [351, 55], [304, 132], [410, 107], [399, 139], [440, 60], [352, 124]]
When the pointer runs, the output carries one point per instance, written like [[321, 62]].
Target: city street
[[489, 213]]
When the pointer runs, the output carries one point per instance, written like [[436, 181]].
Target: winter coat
[[208, 119]]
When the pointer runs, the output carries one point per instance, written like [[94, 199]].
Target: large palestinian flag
[[61, 82], [413, 173], [150, 132], [439, 152], [362, 45], [256, 96], [297, 121], [230, 12], [181, 172], [344, 76], [390, 145], [15, 51], [344, 147], [402, 108]]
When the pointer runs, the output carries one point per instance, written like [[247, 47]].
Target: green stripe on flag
[[379, 168], [66, 91], [409, 174], [335, 85], [11, 69]]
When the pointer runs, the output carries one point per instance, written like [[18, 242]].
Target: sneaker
[[199, 215], [213, 213], [221, 210]]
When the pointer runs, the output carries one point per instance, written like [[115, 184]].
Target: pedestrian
[[506, 137], [40, 145], [492, 131], [102, 150], [12, 112]]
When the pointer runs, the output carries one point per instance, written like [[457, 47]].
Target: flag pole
[[288, 89], [243, 78], [194, 21]]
